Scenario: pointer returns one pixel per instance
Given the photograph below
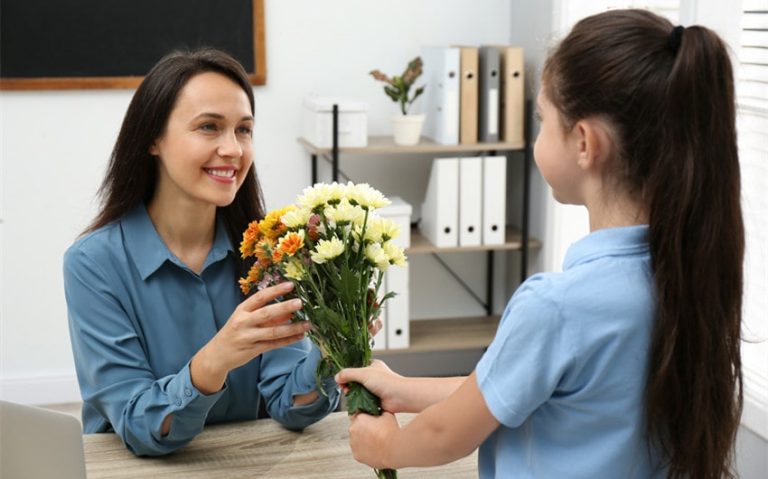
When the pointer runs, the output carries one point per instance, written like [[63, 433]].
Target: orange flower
[[263, 251], [314, 235], [250, 237], [254, 276], [291, 243]]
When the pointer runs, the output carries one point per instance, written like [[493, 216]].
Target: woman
[[162, 342]]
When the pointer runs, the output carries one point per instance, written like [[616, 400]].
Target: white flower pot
[[407, 129]]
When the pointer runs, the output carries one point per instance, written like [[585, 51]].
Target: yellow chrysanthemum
[[295, 270], [395, 254], [326, 250], [366, 196], [271, 226]]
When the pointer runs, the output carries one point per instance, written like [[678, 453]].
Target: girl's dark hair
[[132, 172], [671, 106]]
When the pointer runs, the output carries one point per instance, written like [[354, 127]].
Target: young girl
[[162, 342], [626, 364]]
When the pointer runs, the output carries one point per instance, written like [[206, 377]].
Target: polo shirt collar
[[149, 252], [621, 241]]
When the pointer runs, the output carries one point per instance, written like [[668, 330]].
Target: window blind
[[752, 127]]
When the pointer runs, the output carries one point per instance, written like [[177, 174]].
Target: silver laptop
[[40, 444]]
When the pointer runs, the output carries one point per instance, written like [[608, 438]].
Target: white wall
[[54, 146]]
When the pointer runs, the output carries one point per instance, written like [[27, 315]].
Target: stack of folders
[[395, 313], [474, 94], [465, 204]]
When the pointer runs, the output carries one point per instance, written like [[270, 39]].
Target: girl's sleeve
[[529, 355], [290, 371], [113, 370]]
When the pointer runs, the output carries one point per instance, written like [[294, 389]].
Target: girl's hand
[[255, 327], [375, 327], [370, 436], [381, 381]]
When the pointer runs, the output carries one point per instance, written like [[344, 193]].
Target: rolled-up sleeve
[[291, 371], [114, 372]]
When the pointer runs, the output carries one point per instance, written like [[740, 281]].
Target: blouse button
[[178, 402], [188, 392]]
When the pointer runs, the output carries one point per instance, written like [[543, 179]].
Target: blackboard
[[68, 44]]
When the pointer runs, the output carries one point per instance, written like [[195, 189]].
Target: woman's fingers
[[278, 332], [266, 296], [273, 312]]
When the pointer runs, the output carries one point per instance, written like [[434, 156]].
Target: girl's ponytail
[[668, 95], [694, 391]]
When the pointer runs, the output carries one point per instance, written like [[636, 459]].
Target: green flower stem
[[361, 400]]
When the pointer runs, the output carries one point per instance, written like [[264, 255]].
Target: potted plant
[[406, 128]]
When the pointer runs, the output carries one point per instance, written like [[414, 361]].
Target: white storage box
[[399, 212], [318, 122]]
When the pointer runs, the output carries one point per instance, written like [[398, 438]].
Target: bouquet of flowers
[[335, 249]]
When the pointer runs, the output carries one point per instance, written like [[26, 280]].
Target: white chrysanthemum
[[321, 194], [395, 254], [374, 230], [389, 229], [366, 196], [344, 212], [295, 270], [327, 250], [296, 218], [376, 255]]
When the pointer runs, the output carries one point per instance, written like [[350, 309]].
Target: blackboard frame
[[257, 77]]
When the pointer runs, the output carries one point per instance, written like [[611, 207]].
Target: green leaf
[[392, 93], [325, 369], [360, 399]]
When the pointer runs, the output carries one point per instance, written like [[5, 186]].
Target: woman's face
[[556, 154], [206, 148]]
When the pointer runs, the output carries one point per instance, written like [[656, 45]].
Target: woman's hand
[[255, 327], [381, 381], [370, 437]]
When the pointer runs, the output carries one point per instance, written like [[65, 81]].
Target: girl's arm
[[444, 432], [399, 393]]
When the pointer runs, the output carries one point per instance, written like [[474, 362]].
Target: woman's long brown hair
[[671, 103], [132, 172]]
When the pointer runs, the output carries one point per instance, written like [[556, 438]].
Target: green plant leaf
[[360, 399]]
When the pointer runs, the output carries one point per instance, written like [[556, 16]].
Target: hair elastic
[[675, 38]]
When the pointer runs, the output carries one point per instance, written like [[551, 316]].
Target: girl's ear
[[594, 143], [153, 150]]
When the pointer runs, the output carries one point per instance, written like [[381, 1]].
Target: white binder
[[440, 210], [441, 97], [398, 317], [494, 199], [470, 201]]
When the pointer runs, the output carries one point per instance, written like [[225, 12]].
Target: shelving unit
[[454, 334]]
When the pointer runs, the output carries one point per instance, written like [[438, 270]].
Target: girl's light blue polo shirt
[[566, 373], [137, 315]]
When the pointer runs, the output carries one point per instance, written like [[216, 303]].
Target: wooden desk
[[255, 449]]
